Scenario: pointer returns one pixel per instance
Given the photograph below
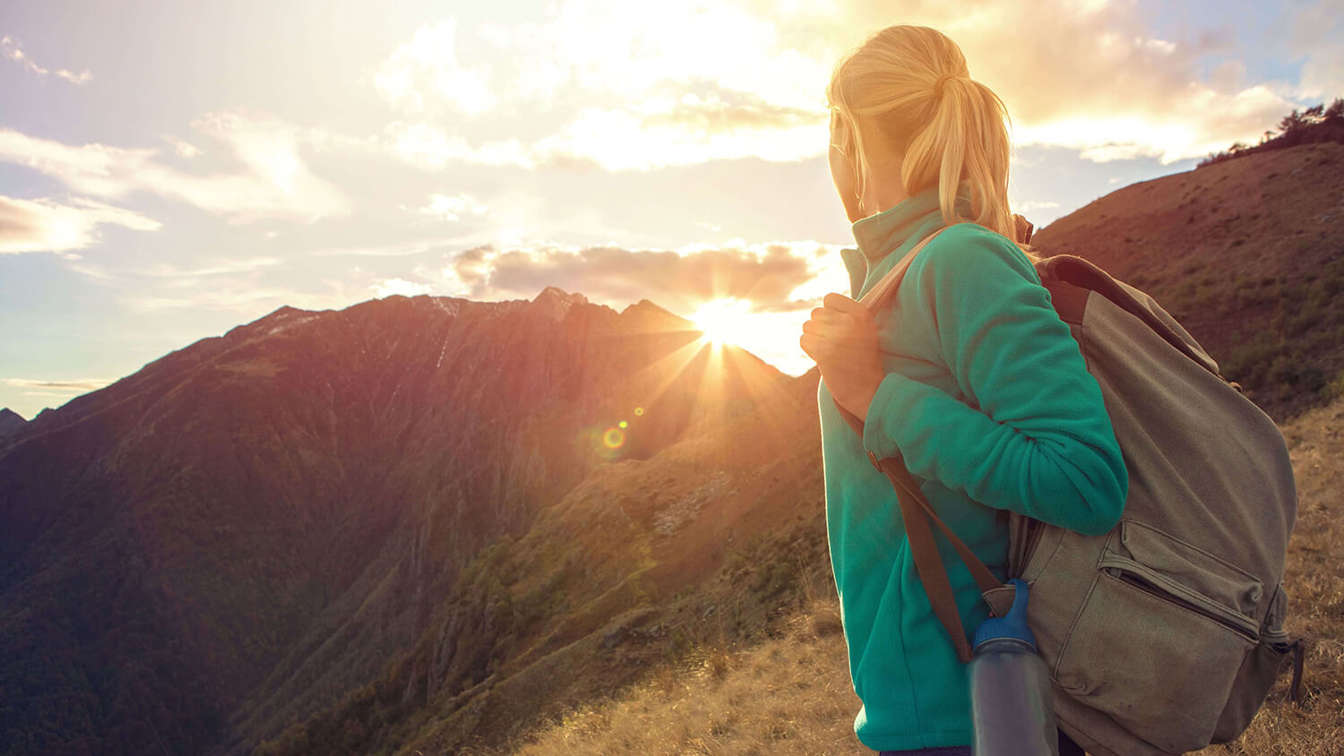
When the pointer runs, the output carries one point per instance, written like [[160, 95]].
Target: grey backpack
[[1165, 634]]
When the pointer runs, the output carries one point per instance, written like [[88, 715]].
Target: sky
[[171, 170]]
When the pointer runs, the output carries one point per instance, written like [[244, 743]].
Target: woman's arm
[[1041, 442]]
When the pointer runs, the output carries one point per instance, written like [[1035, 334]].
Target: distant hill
[[1248, 254]]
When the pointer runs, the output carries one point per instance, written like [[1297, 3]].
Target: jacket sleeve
[[1040, 441]]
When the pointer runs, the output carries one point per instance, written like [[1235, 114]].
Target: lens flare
[[623, 424], [639, 410], [614, 438], [725, 320]]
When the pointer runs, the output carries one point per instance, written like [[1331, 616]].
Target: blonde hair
[[912, 84]]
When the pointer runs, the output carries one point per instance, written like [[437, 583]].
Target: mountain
[[1247, 253], [237, 534], [10, 421]]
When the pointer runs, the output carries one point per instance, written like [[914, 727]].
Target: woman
[[969, 374]]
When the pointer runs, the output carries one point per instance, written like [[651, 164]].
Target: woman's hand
[[841, 336]]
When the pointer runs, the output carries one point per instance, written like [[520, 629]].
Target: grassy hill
[[791, 694], [1248, 254]]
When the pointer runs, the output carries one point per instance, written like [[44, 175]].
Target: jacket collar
[[896, 229]]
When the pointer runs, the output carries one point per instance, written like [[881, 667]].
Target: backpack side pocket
[[1259, 671]]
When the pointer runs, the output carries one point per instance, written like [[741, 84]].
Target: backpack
[[1165, 634]]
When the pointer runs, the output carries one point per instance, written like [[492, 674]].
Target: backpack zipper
[[1164, 588]]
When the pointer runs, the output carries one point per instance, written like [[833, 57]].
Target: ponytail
[[912, 85]]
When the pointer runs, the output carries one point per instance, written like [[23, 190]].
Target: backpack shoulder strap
[[1084, 274], [891, 281], [917, 514]]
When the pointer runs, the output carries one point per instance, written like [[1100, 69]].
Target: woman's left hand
[[841, 336]]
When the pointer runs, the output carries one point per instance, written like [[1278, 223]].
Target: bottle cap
[[1014, 625]]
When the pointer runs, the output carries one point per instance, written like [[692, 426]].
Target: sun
[[724, 320]]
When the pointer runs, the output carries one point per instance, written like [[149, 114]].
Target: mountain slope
[[243, 530], [1248, 254], [792, 694]]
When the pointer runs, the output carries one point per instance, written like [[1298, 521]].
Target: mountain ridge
[[243, 471]]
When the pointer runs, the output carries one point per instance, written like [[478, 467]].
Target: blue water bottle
[[1010, 687]]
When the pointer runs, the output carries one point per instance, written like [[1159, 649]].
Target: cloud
[[775, 277], [424, 75], [43, 387], [643, 87], [428, 146], [638, 87], [452, 208], [219, 267], [9, 48], [44, 225], [242, 296], [165, 274], [182, 148], [1315, 31], [389, 286], [1096, 79], [401, 249], [276, 182], [648, 136], [1026, 207]]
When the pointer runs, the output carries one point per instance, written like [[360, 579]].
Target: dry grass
[[793, 695], [788, 695], [1315, 583]]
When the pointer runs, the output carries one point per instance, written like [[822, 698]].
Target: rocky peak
[[644, 315], [556, 301], [10, 421]]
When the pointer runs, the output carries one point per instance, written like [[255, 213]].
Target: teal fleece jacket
[[988, 399]]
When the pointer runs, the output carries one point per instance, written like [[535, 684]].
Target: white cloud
[[642, 86], [424, 74], [276, 183], [389, 286], [427, 146], [182, 148], [402, 249], [657, 135], [452, 208], [655, 85], [1315, 34], [9, 48], [68, 387], [1026, 207], [222, 266], [44, 225], [243, 297]]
